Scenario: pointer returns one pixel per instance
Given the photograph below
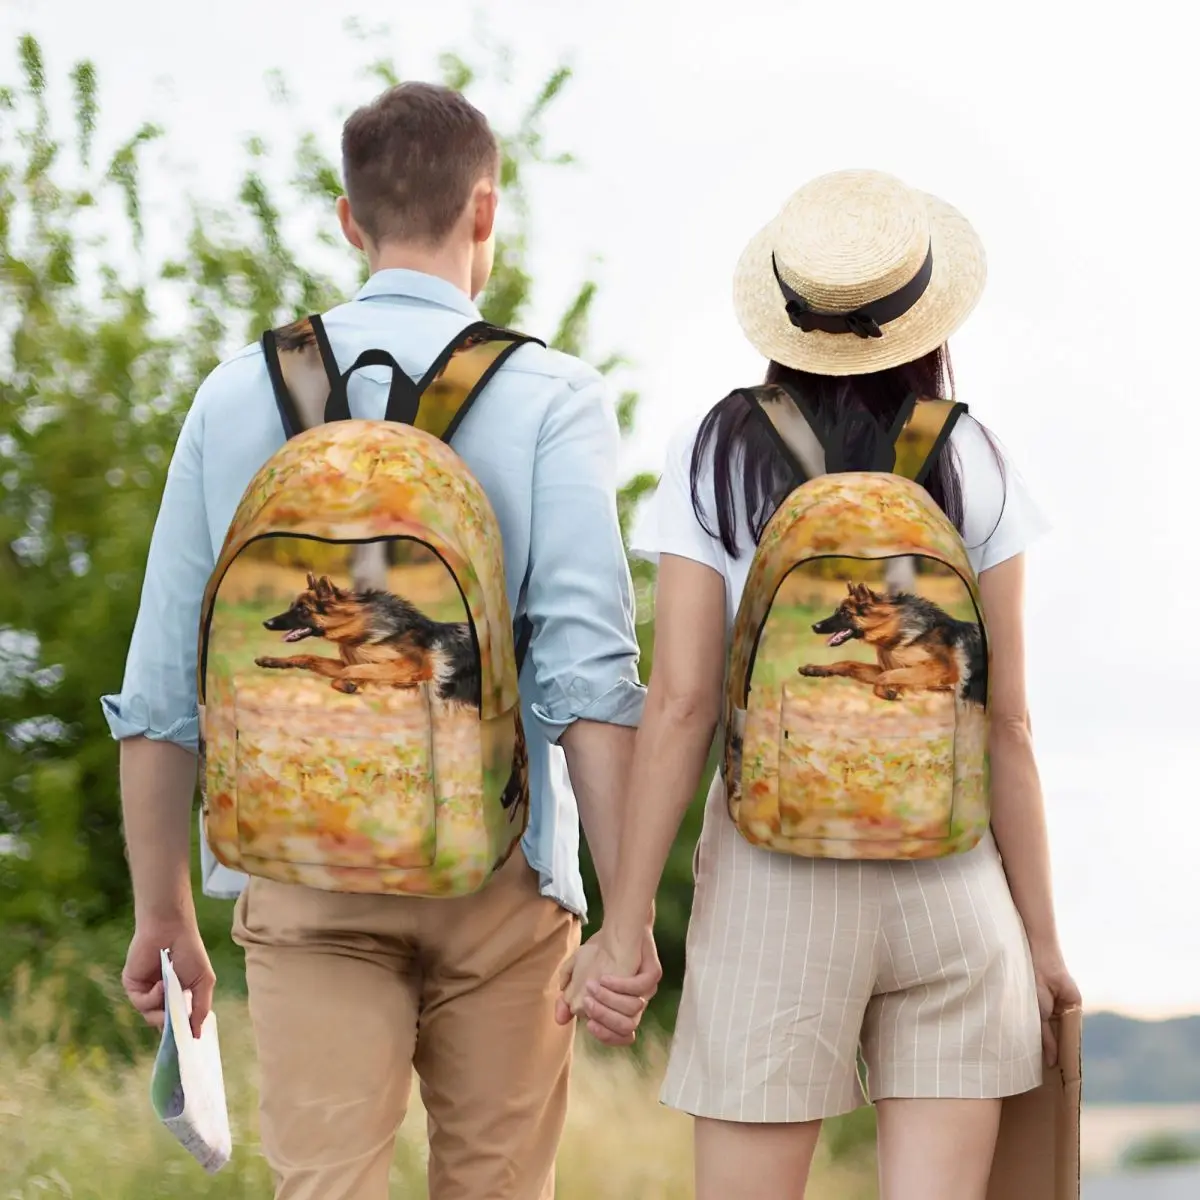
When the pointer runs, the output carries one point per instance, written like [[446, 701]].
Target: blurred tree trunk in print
[[369, 567], [93, 388], [900, 574]]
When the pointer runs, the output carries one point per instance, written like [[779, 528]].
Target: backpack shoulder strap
[[310, 390], [303, 372], [449, 388], [792, 426], [460, 373], [922, 429]]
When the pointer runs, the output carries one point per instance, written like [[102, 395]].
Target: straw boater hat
[[858, 272]]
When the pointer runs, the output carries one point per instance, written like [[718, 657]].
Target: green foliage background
[[93, 386]]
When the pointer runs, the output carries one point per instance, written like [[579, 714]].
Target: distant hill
[[1126, 1061]]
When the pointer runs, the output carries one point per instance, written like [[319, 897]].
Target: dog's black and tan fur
[[381, 639], [919, 646]]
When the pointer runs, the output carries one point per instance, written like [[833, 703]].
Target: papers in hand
[[187, 1089]]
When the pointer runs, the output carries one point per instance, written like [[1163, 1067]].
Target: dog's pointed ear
[[312, 582]]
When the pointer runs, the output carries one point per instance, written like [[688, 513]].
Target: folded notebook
[[187, 1088]]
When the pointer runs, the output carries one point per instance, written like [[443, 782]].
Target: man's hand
[[157, 782], [609, 989], [142, 976]]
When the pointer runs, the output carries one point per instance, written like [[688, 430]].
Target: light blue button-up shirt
[[542, 440]]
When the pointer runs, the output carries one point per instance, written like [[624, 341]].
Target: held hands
[[609, 987]]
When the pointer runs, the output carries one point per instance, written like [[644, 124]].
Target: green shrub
[[1160, 1149]]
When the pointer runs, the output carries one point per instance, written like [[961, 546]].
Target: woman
[[944, 970]]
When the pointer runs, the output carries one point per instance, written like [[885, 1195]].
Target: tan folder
[[1037, 1153]]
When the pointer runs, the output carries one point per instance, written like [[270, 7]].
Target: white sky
[[1066, 137]]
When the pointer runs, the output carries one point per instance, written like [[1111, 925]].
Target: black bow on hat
[[864, 322]]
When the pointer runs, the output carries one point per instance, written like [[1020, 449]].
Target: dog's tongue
[[295, 635], [838, 638]]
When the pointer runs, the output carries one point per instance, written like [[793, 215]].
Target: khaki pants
[[349, 993]]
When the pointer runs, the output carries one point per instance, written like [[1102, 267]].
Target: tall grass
[[76, 1122]]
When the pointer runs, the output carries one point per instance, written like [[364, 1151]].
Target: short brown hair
[[410, 159]]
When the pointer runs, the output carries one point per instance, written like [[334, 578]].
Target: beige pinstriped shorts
[[794, 965]]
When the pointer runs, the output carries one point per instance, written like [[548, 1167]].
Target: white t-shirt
[[1000, 518]]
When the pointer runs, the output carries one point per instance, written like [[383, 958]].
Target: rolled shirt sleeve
[[579, 595], [158, 695]]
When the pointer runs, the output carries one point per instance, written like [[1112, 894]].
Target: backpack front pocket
[[337, 786], [881, 774]]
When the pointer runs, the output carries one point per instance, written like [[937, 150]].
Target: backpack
[[855, 711], [358, 664]]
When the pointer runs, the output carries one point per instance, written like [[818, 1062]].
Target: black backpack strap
[[403, 394], [460, 373], [448, 389], [303, 372], [793, 427], [310, 390], [923, 428], [810, 448], [522, 636]]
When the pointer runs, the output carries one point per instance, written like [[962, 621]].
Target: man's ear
[[350, 229], [485, 199]]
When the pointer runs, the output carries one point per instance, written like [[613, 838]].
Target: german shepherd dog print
[[381, 639], [918, 646]]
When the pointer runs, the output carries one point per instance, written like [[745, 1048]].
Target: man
[[349, 992]]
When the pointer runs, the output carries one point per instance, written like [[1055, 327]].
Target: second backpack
[[856, 705]]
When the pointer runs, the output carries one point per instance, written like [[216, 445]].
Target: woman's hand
[[609, 987], [1056, 992]]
